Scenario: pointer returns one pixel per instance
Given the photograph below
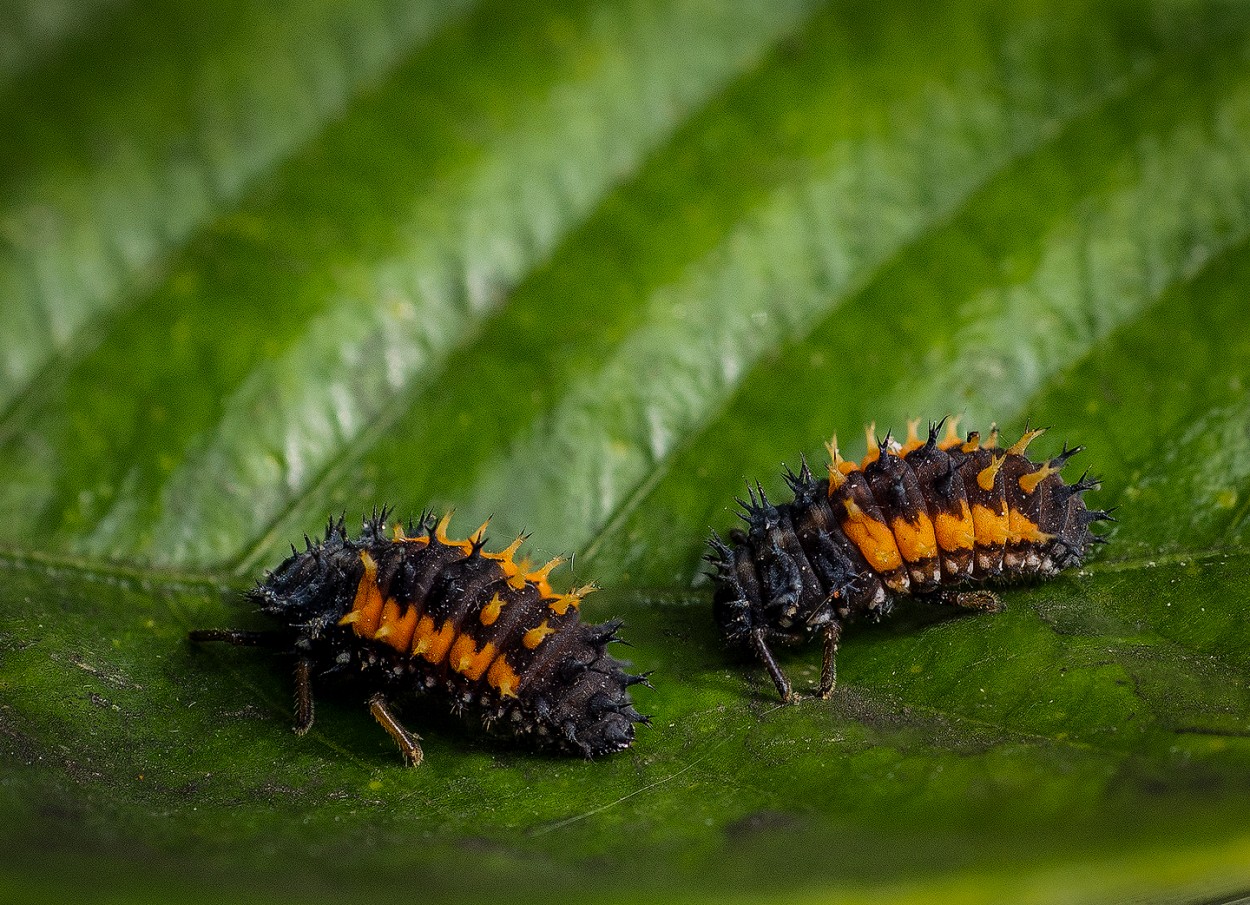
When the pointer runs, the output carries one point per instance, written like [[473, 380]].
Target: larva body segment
[[418, 613], [938, 520]]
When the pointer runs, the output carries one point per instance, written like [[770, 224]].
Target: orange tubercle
[[479, 535], [502, 677], [505, 559], [401, 537], [430, 643], [539, 577], [490, 612], [535, 636], [986, 476], [1022, 444], [951, 440], [390, 615], [440, 534], [913, 437], [560, 605], [423, 636], [516, 580], [874, 448], [838, 467], [1028, 482]]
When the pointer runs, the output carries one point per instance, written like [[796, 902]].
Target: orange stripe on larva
[[366, 613], [390, 615], [423, 635], [992, 527], [916, 541], [955, 532], [398, 631], [431, 643], [1021, 528], [466, 659], [874, 539], [934, 518]]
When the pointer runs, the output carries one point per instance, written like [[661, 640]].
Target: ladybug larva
[[417, 612], [934, 520]]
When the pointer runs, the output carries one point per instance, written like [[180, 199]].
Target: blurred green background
[[585, 266]]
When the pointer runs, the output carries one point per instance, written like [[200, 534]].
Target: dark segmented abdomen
[[960, 512], [912, 518], [490, 635]]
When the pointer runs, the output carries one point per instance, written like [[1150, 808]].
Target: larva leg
[[828, 666], [303, 696], [770, 663], [409, 742]]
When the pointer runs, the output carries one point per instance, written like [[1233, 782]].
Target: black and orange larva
[[926, 519], [416, 612]]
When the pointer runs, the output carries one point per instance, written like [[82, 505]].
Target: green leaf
[[585, 266]]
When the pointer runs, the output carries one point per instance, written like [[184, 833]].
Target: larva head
[[308, 588], [732, 614], [744, 599], [731, 604], [764, 580]]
